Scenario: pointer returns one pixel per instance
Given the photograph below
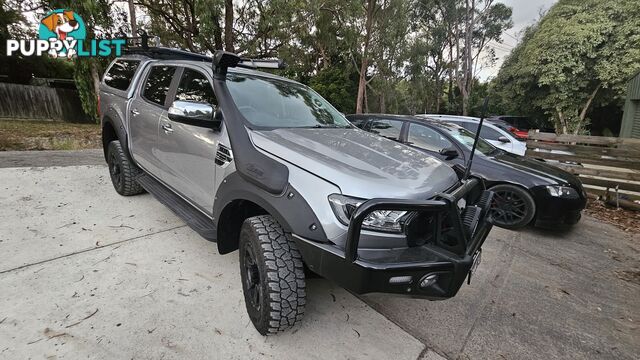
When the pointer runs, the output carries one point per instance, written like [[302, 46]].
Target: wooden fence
[[608, 167], [26, 102]]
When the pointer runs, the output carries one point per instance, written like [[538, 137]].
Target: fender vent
[[223, 155]]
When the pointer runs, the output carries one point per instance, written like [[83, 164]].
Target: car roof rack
[[140, 46]]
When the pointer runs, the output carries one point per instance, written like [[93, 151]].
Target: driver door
[[186, 151]]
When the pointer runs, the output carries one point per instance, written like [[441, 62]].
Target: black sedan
[[526, 190]]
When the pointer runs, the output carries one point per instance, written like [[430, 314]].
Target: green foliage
[[337, 84], [580, 55], [85, 86], [410, 54]]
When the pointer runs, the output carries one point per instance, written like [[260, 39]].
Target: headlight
[[380, 220], [562, 191]]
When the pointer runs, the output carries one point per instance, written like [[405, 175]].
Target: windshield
[[466, 138], [281, 104]]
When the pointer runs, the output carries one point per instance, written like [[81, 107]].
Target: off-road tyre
[[514, 200], [272, 273], [122, 171]]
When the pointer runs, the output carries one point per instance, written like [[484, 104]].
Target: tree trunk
[[438, 94], [563, 122], [228, 25], [362, 82], [132, 18], [585, 109], [217, 34], [467, 67], [95, 77], [366, 101], [383, 105]]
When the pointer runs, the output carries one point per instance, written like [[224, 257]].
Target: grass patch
[[48, 135]]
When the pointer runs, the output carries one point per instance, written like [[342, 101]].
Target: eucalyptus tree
[[580, 54]]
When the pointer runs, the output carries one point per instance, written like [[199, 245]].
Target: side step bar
[[194, 218]]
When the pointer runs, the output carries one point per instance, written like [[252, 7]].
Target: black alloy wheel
[[115, 171], [272, 274], [512, 207], [122, 172], [252, 281]]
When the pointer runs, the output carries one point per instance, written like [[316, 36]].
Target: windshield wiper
[[327, 126]]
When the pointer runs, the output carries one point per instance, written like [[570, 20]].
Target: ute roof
[[179, 56]]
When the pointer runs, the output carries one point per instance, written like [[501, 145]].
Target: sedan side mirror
[[196, 114], [504, 139], [449, 153]]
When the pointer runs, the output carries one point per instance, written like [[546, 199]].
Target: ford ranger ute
[[264, 165]]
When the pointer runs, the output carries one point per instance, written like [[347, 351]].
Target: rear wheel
[[121, 171], [272, 275], [512, 206]]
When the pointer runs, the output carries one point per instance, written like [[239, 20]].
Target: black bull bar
[[433, 270]]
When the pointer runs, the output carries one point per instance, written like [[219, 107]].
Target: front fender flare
[[290, 209]]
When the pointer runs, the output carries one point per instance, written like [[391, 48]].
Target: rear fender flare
[[117, 125]]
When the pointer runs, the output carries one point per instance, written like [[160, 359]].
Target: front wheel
[[272, 275], [513, 207]]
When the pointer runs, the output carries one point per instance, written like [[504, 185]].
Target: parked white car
[[493, 134]]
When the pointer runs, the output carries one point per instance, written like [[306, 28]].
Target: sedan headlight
[[380, 220], [562, 191]]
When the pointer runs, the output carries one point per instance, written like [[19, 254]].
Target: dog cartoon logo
[[62, 26]]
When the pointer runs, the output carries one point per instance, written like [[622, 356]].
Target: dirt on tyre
[[512, 207], [272, 275], [122, 171]]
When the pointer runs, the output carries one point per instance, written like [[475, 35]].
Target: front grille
[[223, 155]]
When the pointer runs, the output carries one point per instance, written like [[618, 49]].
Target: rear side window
[[194, 86], [121, 73], [359, 122], [157, 85], [387, 128], [473, 127]]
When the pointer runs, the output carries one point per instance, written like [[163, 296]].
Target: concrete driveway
[[87, 273]]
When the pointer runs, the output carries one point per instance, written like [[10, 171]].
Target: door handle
[[167, 128], [135, 112]]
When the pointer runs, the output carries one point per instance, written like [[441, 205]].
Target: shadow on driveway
[[537, 294]]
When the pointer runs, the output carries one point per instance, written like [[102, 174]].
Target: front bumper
[[552, 211], [434, 270]]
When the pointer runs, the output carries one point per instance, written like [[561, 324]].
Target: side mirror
[[504, 139], [449, 153], [196, 114]]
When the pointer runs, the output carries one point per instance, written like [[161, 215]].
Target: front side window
[[386, 128], [274, 103], [194, 86], [466, 138], [157, 85], [426, 138], [121, 73]]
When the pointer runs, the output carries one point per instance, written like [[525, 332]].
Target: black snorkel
[[253, 165], [483, 113]]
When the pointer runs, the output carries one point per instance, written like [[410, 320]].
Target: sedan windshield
[[273, 103]]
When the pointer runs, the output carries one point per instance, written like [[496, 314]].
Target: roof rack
[[140, 45]]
